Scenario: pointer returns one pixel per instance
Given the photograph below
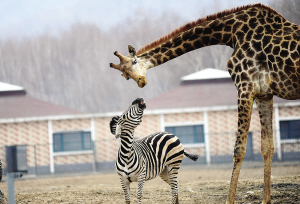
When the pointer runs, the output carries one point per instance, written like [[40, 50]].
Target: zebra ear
[[113, 124]]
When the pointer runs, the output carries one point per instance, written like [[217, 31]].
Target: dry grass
[[195, 186]]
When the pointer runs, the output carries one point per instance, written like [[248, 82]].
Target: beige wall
[[29, 133], [222, 126]]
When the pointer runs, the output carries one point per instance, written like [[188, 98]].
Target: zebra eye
[[134, 61]]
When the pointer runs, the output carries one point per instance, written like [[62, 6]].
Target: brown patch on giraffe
[[295, 55], [186, 35], [293, 46], [256, 45], [188, 47], [266, 41], [285, 44], [271, 58], [276, 50], [179, 51], [244, 77], [284, 53], [279, 62], [249, 35], [198, 44], [243, 17], [169, 53]]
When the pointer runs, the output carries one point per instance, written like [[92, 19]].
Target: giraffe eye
[[134, 61]]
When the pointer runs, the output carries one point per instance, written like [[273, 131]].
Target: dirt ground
[[195, 186]]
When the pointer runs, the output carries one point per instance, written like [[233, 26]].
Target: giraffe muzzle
[[141, 81]]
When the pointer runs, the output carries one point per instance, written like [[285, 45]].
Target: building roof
[[4, 87], [208, 73], [213, 89], [14, 103]]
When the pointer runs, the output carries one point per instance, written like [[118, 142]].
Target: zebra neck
[[125, 151]]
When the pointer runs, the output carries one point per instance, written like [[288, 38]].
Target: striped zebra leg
[[126, 188], [173, 172], [141, 181], [165, 176], [169, 175]]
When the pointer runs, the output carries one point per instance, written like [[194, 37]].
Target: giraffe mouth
[[141, 81]]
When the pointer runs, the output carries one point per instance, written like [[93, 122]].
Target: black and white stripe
[[140, 160]]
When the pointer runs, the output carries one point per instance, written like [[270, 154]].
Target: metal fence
[[41, 159]]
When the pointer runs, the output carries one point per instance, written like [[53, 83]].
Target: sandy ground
[[195, 186]]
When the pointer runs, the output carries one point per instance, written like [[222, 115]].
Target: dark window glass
[[290, 129], [72, 141], [188, 134]]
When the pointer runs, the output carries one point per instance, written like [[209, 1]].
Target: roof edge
[[147, 112]]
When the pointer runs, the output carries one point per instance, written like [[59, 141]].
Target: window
[[188, 134], [72, 141], [290, 129]]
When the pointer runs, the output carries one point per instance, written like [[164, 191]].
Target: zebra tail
[[193, 157]]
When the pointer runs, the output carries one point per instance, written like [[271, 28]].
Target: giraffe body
[[265, 62]]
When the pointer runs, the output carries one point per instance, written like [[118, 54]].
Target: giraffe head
[[131, 67]]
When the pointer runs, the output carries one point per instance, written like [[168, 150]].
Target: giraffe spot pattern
[[263, 41]]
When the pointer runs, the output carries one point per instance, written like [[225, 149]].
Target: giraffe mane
[[197, 22]]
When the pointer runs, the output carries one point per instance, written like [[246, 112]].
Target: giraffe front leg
[[245, 103], [265, 109], [126, 188], [139, 190]]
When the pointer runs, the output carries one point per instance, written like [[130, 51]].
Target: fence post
[[94, 157], [277, 133], [11, 188], [206, 138], [35, 160]]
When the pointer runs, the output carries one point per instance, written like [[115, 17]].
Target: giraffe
[[265, 62]]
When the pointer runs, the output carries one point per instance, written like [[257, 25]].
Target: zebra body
[[140, 160], [150, 152]]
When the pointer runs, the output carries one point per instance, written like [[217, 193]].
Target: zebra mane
[[113, 124]]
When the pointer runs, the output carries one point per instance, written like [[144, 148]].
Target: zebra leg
[[164, 175], [139, 191], [173, 172], [126, 188]]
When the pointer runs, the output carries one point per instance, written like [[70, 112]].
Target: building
[[202, 112]]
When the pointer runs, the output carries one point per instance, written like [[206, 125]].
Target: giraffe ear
[[132, 51]]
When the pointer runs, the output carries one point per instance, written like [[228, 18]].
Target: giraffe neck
[[211, 32], [232, 29]]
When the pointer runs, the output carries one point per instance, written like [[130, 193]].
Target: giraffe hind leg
[[265, 109]]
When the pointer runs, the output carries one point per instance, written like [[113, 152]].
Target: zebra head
[[129, 120]]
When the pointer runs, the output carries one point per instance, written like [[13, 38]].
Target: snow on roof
[[9, 87], [208, 73]]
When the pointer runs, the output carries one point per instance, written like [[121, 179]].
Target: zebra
[[140, 160]]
